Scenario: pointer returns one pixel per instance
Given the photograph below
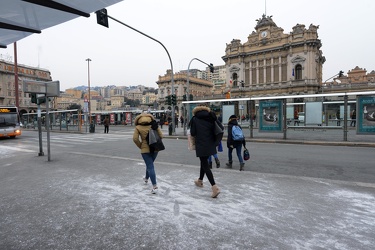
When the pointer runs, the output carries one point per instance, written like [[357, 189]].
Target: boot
[[229, 164], [242, 166], [210, 164], [199, 183], [215, 191], [217, 162]]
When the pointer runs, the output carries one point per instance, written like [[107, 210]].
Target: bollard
[[92, 128]]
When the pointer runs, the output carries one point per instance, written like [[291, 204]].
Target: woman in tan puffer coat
[[143, 123]]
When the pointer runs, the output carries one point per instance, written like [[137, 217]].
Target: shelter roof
[[21, 18]]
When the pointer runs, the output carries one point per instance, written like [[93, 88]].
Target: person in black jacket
[[232, 144], [202, 127]]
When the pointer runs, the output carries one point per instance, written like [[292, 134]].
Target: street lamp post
[[324, 106], [241, 87], [88, 80], [169, 57], [187, 117]]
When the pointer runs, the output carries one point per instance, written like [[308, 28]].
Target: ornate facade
[[356, 80], [8, 86], [273, 63], [203, 89]]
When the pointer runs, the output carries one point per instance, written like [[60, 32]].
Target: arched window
[[298, 70], [234, 80]]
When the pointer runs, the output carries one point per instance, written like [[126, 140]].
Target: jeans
[[239, 153], [149, 159], [210, 159]]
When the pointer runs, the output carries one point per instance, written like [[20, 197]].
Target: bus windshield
[[8, 120]]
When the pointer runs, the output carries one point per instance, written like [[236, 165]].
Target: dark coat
[[230, 141], [202, 126]]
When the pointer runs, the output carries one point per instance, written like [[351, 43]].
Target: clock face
[[264, 33]]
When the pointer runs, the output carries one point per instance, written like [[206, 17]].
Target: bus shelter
[[275, 114]]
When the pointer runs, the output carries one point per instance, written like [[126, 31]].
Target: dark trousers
[[205, 169], [106, 129]]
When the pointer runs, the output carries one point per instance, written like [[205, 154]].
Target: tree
[[75, 106]]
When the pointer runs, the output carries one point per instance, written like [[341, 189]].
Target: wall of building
[[7, 84]]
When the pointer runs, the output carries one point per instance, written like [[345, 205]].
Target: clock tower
[[272, 62]]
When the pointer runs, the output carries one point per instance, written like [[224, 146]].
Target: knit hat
[[232, 117]]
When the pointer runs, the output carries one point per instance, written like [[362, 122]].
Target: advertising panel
[[366, 115], [270, 116], [228, 110], [128, 118], [112, 118], [314, 113]]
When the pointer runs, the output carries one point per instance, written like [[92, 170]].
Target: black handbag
[[246, 154], [154, 141], [219, 132]]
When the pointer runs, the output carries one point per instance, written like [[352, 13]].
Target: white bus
[[10, 125]]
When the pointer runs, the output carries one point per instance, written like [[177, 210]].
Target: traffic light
[[341, 73], [242, 84], [174, 101], [184, 97], [101, 17], [43, 99], [169, 101], [33, 98], [211, 68], [190, 97]]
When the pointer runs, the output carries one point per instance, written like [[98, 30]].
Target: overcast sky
[[190, 29]]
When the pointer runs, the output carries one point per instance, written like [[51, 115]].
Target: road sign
[[53, 89], [49, 89], [34, 87]]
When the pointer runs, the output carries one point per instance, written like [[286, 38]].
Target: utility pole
[[102, 19]]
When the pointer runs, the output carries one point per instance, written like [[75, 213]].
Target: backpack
[[237, 133]]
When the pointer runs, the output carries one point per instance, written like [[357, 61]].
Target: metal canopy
[[21, 18]]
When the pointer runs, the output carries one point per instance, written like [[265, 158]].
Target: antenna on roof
[[265, 7]]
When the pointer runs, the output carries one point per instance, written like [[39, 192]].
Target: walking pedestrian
[[106, 125], [162, 121], [234, 144], [353, 118], [182, 121], [296, 117], [202, 126], [143, 123], [216, 160], [176, 121], [215, 156]]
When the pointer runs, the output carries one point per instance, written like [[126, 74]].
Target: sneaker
[[145, 180], [154, 190]]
